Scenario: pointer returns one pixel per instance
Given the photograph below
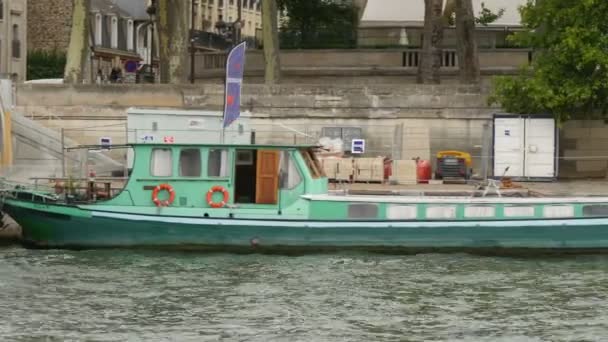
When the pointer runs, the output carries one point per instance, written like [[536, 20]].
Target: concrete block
[[591, 144], [577, 133], [591, 165], [599, 132]]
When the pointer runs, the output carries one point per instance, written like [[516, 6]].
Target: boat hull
[[55, 226]]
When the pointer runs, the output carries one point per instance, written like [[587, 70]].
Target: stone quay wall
[[403, 121]]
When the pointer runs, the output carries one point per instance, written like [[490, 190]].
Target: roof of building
[[107, 7], [411, 13], [135, 9]]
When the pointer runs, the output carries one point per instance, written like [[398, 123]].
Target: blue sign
[[131, 66], [358, 146], [235, 65], [105, 143]]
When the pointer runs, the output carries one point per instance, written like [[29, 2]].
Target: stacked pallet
[[404, 172]]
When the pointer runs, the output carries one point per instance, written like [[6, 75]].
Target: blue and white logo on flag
[[235, 65]]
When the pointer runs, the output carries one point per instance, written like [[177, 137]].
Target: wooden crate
[[369, 170], [339, 169]]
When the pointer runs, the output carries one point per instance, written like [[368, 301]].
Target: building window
[[16, 42], [289, 175], [251, 4], [258, 6], [1, 9], [231, 2], [114, 32], [190, 163], [98, 29], [161, 163], [217, 163]]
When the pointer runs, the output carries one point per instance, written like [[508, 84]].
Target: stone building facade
[[49, 24], [13, 39]]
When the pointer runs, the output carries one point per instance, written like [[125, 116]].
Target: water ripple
[[136, 296]]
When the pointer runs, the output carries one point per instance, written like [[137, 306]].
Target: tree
[[270, 36], [173, 34], [468, 59], [79, 43], [313, 24], [569, 74], [434, 23]]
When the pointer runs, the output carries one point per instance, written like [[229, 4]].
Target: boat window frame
[[586, 207], [228, 169], [361, 210], [312, 163], [153, 158], [291, 161], [200, 162]]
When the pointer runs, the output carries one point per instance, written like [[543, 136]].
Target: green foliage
[[486, 16], [315, 24], [45, 64], [570, 66]]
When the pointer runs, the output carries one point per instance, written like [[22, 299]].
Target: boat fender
[[213, 190], [157, 190]]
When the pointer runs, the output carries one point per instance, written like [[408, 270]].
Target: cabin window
[[217, 164], [479, 211], [401, 212], [552, 211], [595, 210], [289, 175], [519, 211], [190, 163], [362, 210], [161, 163], [441, 212], [316, 171]]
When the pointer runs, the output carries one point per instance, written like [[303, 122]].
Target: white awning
[[383, 13]]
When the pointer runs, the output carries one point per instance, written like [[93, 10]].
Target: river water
[[115, 295]]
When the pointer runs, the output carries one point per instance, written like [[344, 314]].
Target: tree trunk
[[173, 33], [270, 36], [79, 43], [430, 61], [468, 59]]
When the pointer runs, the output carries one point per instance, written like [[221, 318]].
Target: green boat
[[257, 197]]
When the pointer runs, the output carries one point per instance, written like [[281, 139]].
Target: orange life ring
[[213, 190], [158, 189]]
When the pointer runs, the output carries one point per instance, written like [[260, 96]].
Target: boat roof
[[244, 146], [241, 146]]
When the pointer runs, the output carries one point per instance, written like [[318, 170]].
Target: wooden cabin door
[[267, 178]]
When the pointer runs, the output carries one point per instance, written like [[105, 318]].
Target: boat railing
[[82, 189]]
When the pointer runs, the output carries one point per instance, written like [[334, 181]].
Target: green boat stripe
[[355, 224]]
